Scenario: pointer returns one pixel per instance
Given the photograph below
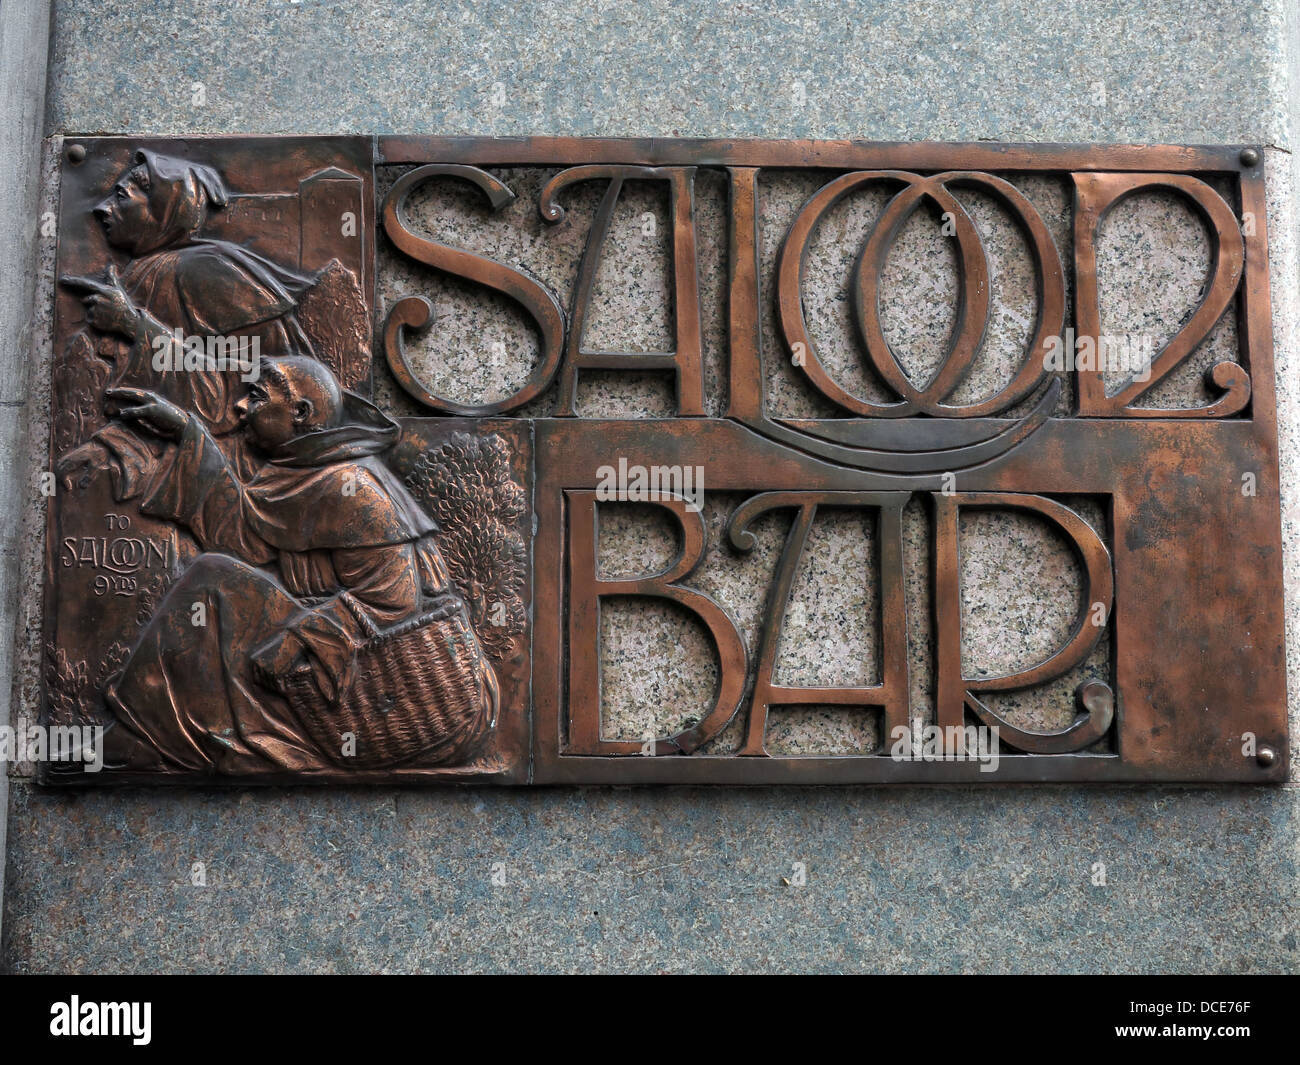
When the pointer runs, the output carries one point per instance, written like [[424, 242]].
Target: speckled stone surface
[[655, 880], [1188, 71], [691, 879]]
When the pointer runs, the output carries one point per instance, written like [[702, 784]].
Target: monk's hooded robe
[[347, 540], [205, 288]]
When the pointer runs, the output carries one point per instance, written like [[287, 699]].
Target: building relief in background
[[273, 557]]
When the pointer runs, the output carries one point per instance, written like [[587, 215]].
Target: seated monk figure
[[352, 554]]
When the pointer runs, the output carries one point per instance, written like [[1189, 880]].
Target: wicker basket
[[422, 690]]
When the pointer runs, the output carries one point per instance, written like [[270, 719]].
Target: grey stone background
[[610, 879]]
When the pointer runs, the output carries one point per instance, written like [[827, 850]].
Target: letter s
[[415, 312]]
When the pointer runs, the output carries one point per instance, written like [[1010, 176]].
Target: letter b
[[585, 592]]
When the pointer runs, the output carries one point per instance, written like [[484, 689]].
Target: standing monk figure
[[177, 280]]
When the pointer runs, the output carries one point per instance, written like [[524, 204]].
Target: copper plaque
[[281, 549]]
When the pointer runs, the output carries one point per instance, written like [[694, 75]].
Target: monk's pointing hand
[[149, 410], [108, 307]]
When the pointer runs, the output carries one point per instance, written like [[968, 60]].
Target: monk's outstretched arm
[[197, 487]]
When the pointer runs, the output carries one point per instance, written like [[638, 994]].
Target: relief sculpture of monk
[[177, 280], [306, 561]]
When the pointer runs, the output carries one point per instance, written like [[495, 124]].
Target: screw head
[[76, 153], [1266, 756], [1249, 157]]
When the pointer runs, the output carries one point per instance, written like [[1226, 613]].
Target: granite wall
[[607, 879]]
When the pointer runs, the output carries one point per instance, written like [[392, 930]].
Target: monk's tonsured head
[[292, 396]]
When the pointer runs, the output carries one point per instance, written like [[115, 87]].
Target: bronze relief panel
[[282, 549]]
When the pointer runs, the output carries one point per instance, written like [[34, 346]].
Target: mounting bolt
[[1249, 157], [76, 153], [1265, 756]]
